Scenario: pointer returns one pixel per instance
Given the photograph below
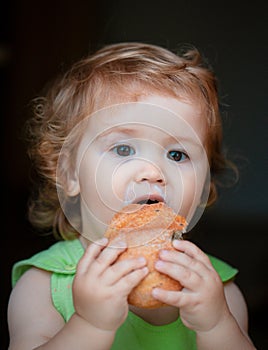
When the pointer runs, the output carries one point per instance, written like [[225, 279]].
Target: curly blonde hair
[[114, 74]]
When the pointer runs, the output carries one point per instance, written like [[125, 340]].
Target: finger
[[192, 251], [122, 268], [188, 278], [182, 259], [131, 280], [90, 254], [107, 257], [173, 298]]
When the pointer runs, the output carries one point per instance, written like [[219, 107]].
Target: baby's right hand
[[102, 285]]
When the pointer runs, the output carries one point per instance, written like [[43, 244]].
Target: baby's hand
[[201, 302], [102, 285]]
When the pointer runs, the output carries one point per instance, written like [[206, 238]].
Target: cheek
[[122, 178], [96, 179], [185, 192], [98, 201], [189, 187], [104, 180]]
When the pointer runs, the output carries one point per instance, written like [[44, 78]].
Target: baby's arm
[[32, 319], [217, 313], [232, 332], [35, 323]]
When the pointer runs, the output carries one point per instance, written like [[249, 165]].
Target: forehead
[[152, 114]]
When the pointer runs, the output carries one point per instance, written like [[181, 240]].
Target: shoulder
[[31, 316], [34, 280], [61, 257]]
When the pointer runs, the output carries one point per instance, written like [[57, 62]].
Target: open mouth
[[151, 199]]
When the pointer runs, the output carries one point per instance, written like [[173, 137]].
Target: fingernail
[[176, 243], [155, 292], [103, 240], [121, 244], [142, 260], [145, 270], [163, 252], [159, 263]]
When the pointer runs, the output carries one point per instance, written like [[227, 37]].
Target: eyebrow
[[117, 130], [121, 130], [184, 139]]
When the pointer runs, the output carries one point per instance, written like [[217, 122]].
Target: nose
[[149, 172]]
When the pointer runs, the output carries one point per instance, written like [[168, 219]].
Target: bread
[[147, 229]]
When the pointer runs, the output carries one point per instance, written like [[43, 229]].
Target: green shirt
[[61, 260]]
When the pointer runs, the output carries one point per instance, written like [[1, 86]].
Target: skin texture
[[150, 129], [215, 311]]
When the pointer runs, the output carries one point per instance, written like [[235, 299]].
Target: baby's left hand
[[201, 302]]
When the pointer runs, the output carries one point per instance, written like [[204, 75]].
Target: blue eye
[[123, 150], [177, 156]]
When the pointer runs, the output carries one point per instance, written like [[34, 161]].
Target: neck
[[157, 317]]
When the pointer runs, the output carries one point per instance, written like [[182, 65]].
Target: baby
[[132, 123]]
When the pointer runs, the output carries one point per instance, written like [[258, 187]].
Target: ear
[[72, 185], [68, 177]]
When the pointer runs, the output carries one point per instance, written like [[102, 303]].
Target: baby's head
[[119, 74]]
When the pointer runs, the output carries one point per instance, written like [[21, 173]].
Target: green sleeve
[[225, 271]]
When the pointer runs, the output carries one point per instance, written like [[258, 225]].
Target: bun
[[146, 230]]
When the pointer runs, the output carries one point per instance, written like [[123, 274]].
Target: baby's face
[[146, 151]]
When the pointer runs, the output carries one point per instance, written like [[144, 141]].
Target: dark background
[[39, 39]]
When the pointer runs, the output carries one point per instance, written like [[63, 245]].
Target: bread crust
[[147, 229]]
